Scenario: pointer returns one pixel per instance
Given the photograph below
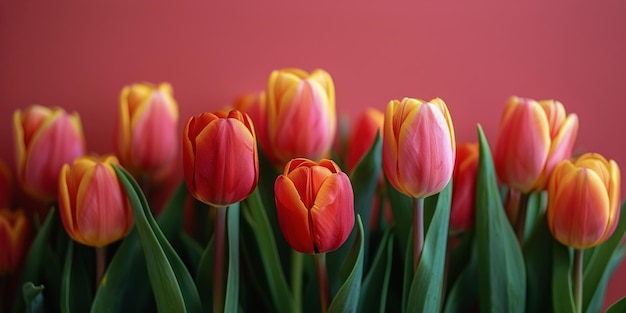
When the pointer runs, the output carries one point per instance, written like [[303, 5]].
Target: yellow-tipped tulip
[[92, 203], [418, 146], [15, 234], [534, 137], [301, 118], [147, 128], [220, 160], [45, 139], [583, 201]]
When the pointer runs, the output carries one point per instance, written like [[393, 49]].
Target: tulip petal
[[331, 221], [390, 146], [293, 216], [308, 181]]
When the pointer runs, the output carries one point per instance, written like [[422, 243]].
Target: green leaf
[[33, 298], [502, 274], [460, 253], [426, 289], [597, 271], [562, 297], [374, 289], [463, 294], [231, 303], [538, 260], [347, 298], [401, 209], [618, 307], [204, 277]]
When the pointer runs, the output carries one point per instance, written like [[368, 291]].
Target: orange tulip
[[220, 157], [583, 201], [534, 137], [147, 127], [463, 194], [315, 205], [301, 119], [15, 234], [45, 139], [418, 146], [92, 202], [363, 135], [6, 186]]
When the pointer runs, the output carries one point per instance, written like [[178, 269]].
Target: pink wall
[[473, 54]]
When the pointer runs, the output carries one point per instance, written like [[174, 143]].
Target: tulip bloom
[[301, 119], [534, 137], [418, 146], [255, 106], [45, 139], [583, 201], [147, 127], [363, 135], [315, 205], [6, 186], [463, 194], [220, 157], [15, 234], [92, 202]]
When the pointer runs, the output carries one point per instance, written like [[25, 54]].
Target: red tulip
[[363, 135], [220, 157], [15, 234], [315, 205], [463, 194]]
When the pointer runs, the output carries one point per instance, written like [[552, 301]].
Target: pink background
[[473, 54]]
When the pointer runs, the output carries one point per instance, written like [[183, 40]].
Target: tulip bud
[[583, 201], [315, 205], [92, 202], [363, 135], [418, 146], [463, 194], [301, 119], [254, 105], [147, 128], [6, 186], [15, 235], [534, 137], [220, 157], [45, 139]]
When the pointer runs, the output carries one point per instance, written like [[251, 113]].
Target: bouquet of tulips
[[283, 211]]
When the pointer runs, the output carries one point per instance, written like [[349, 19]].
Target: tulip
[[418, 146], [315, 205], [583, 201], [463, 194], [534, 137], [147, 127], [254, 105], [45, 139], [363, 135], [301, 119], [220, 158], [15, 234], [92, 202], [6, 186]]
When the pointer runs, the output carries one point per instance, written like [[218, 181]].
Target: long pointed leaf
[[347, 298], [374, 289], [562, 298]]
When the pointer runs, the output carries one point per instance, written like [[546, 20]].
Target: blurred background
[[473, 54]]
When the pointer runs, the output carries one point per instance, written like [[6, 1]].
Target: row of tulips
[[266, 182]]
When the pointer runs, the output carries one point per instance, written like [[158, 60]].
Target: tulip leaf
[[401, 209], [376, 283], [231, 303], [502, 274], [254, 214], [598, 271], [204, 277], [538, 260], [33, 298], [618, 307], [75, 285], [562, 298], [425, 293], [347, 297], [460, 253], [463, 293]]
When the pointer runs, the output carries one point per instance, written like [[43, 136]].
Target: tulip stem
[[520, 224], [296, 280], [578, 279], [322, 280], [218, 259], [418, 230], [101, 263]]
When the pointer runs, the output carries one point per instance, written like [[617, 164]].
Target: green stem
[[418, 230], [578, 279], [322, 280], [296, 280], [101, 264], [520, 224], [218, 259]]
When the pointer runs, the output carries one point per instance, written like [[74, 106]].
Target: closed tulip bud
[[463, 194], [533, 138], [315, 205], [363, 135], [6, 186], [15, 235], [147, 128], [583, 201], [220, 157], [255, 106], [301, 119], [92, 202], [45, 139], [418, 146]]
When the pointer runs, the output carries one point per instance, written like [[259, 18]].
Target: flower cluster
[[280, 213]]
